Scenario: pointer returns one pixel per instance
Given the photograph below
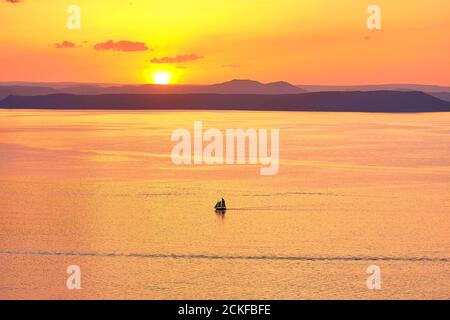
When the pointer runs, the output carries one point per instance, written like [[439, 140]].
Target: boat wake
[[266, 208], [226, 257]]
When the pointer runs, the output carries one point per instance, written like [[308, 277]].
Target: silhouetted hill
[[93, 89], [376, 87], [252, 87], [374, 101], [25, 91], [442, 95]]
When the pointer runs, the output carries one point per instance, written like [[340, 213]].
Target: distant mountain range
[[336, 101], [252, 87], [230, 87]]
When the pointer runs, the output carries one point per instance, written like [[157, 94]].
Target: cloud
[[123, 45], [178, 59], [65, 45]]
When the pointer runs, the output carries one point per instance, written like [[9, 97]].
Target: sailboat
[[220, 206]]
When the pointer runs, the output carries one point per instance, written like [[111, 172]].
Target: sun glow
[[161, 78]]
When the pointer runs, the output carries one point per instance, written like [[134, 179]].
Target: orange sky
[[204, 41]]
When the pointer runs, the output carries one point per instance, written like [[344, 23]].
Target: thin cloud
[[178, 59], [123, 45], [65, 45]]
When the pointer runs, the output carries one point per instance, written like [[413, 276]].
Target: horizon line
[[213, 83]]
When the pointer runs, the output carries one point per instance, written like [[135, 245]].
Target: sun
[[161, 78]]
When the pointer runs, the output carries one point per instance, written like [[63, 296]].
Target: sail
[[220, 204]]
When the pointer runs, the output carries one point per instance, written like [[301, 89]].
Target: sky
[[202, 41]]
